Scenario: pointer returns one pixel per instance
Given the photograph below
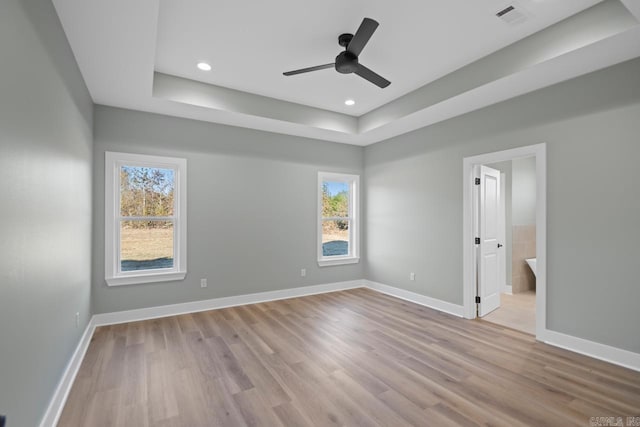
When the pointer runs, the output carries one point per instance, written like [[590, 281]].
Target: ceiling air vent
[[511, 15]]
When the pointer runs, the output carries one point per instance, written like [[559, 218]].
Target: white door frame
[[539, 151]]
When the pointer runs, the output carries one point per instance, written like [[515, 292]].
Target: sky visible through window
[[335, 188], [163, 183]]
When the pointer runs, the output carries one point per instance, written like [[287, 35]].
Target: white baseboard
[[212, 304], [56, 405], [52, 415], [508, 290], [599, 351], [436, 304], [617, 356]]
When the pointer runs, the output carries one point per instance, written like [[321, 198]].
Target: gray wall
[[251, 207], [413, 196], [45, 176], [524, 191]]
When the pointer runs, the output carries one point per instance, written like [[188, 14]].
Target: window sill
[[338, 261], [145, 278]]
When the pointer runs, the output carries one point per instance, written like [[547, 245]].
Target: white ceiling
[[251, 43], [119, 44]]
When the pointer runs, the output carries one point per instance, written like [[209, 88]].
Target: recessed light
[[349, 102], [204, 66]]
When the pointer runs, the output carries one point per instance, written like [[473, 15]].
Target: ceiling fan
[[347, 61]]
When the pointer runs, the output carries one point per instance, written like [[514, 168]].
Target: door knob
[[499, 245]]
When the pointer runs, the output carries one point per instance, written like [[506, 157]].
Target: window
[[337, 219], [145, 218]]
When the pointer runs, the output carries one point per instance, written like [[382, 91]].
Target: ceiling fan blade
[[374, 78], [362, 36], [306, 70]]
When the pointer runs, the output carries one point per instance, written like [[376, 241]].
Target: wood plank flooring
[[356, 358], [517, 311]]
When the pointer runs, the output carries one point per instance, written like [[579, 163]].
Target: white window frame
[[113, 275], [354, 221]]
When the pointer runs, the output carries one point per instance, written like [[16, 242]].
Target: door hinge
[[477, 300], [477, 181], [477, 240]]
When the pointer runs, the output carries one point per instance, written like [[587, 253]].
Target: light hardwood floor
[[346, 358], [517, 311]]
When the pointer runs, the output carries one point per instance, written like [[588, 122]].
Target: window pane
[[335, 238], [146, 191], [146, 245], [335, 199]]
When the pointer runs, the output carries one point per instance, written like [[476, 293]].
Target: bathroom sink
[[532, 264]]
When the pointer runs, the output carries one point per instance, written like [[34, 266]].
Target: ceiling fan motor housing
[[346, 63], [345, 39]]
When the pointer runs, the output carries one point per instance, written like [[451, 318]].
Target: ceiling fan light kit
[[347, 62]]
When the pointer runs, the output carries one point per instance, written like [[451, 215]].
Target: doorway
[[499, 282], [513, 184]]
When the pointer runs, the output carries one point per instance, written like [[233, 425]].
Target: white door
[[489, 230]]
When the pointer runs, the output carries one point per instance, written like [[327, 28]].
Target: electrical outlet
[[412, 276], [303, 272], [77, 320], [203, 283]]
